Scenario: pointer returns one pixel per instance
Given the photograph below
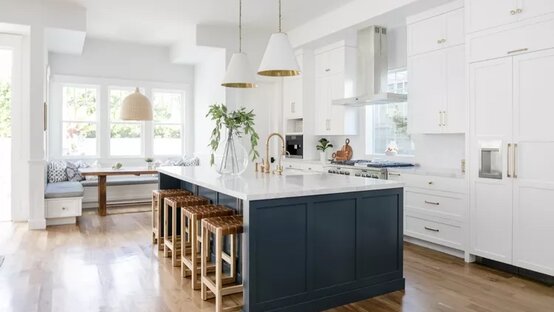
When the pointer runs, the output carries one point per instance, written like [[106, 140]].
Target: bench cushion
[[123, 180], [63, 190]]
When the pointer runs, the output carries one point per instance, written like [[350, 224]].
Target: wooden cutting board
[[345, 153]]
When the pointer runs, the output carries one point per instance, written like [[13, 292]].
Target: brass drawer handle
[[518, 50], [432, 203], [394, 174], [431, 229]]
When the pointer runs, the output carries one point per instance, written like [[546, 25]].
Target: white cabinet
[[485, 14], [436, 32], [335, 68], [512, 143], [63, 210], [437, 91], [293, 97]]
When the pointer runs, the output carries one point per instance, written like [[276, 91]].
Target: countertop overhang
[[259, 186]]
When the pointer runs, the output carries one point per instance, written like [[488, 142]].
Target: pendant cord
[[280, 18], [240, 26]]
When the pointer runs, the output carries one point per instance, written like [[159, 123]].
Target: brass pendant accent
[[279, 73], [242, 85]]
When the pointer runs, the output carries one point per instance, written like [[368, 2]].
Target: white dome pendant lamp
[[239, 73], [136, 107], [279, 59]]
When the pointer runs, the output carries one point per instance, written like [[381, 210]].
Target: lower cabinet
[[63, 210]]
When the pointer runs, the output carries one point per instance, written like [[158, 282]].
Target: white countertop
[[293, 183], [434, 172]]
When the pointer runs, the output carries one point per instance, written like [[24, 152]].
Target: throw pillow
[[190, 162], [72, 170], [56, 171]]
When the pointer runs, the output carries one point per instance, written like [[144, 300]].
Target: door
[[427, 35], [427, 91], [455, 116], [322, 105], [10, 61], [534, 173], [336, 112], [491, 181], [292, 97], [484, 14]]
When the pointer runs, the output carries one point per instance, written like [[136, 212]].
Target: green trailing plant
[[149, 160], [239, 122], [323, 145]]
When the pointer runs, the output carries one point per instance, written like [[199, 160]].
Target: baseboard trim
[[37, 224], [532, 275], [433, 246]]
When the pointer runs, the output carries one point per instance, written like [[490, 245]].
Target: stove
[[376, 169]]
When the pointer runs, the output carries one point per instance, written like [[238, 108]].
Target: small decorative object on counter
[[345, 152], [392, 149], [149, 162], [228, 154], [117, 166], [322, 147]]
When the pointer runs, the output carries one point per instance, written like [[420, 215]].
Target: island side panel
[[316, 252]]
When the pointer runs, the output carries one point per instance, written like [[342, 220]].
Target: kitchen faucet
[[266, 165]]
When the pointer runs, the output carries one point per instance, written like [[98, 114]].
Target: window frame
[[111, 122], [96, 121], [181, 124]]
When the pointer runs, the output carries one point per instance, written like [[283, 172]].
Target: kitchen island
[[312, 241]]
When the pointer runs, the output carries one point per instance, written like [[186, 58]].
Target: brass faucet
[[267, 166]]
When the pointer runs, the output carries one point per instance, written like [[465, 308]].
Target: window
[[168, 122], [387, 124], [125, 136], [79, 120]]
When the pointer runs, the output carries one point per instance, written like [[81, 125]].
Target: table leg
[[102, 210]]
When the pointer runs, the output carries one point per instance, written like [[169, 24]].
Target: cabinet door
[[455, 116], [322, 105], [321, 63], [532, 8], [337, 111], [455, 33], [427, 91], [534, 173], [292, 97], [484, 14], [491, 181], [426, 35]]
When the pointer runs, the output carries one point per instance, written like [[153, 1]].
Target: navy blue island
[[311, 241]]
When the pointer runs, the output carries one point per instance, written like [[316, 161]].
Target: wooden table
[[102, 173]]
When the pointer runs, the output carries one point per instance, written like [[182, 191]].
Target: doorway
[[9, 85]]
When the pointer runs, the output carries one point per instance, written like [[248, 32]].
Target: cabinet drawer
[[63, 208], [436, 232], [435, 183], [527, 38], [435, 204]]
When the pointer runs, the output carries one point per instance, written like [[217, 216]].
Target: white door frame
[[14, 43]]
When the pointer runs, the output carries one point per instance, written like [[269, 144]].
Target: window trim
[[161, 123], [124, 122]]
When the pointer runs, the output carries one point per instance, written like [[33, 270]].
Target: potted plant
[[231, 157], [149, 162], [392, 149], [117, 166], [322, 147]]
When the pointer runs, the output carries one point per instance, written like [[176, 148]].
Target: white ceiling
[[166, 22]]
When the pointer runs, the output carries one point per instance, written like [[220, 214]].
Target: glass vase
[[231, 158]]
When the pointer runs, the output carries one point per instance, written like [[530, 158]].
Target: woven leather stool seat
[[172, 224], [190, 218], [227, 225], [158, 197]]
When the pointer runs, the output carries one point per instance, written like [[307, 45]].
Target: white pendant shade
[[239, 73], [136, 107], [279, 59]]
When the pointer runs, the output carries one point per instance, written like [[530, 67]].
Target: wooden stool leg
[[166, 230], [204, 263], [233, 255], [218, 271], [154, 228], [184, 221], [174, 236], [160, 216]]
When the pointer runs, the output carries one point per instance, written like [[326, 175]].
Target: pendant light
[[239, 73], [136, 107], [279, 59]]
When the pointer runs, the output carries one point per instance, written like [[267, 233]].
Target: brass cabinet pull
[[432, 203], [292, 107], [514, 173], [518, 11], [508, 161], [431, 229], [445, 118], [513, 12], [394, 174], [518, 50]]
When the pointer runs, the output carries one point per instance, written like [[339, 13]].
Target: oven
[[294, 146]]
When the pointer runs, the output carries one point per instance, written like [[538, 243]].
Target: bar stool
[[190, 218], [220, 227], [172, 224], [157, 213]]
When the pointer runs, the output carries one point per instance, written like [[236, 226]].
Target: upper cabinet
[[436, 32], [436, 70], [485, 14], [335, 68], [293, 93]]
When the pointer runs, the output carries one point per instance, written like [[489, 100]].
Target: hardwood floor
[[109, 264]]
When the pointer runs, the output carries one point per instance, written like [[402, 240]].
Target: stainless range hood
[[372, 70]]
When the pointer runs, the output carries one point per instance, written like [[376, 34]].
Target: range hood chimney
[[372, 70]]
